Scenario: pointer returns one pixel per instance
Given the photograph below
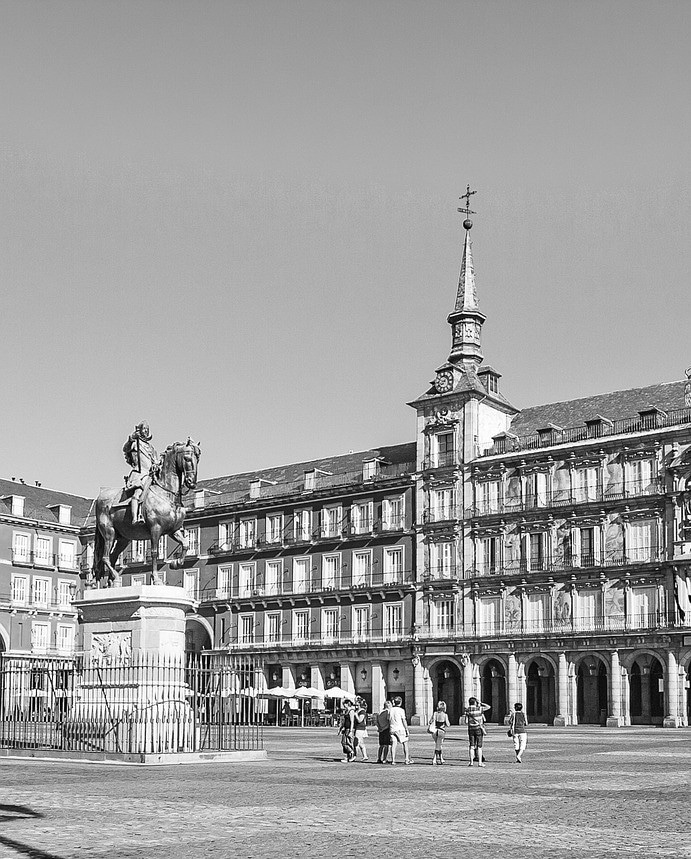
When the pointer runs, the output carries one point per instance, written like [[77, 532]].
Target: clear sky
[[238, 219]]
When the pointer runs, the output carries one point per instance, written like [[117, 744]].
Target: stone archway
[[646, 690], [493, 686], [446, 686], [540, 691], [197, 634], [591, 691]]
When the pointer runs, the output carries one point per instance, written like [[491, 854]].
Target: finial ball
[[467, 224]]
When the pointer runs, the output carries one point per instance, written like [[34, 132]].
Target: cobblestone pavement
[[581, 792]]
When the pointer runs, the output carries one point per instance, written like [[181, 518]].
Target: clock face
[[444, 381]]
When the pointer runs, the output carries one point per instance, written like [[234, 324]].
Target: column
[[614, 719], [645, 695], [468, 690], [347, 679], [288, 680], [378, 687], [511, 678], [671, 720], [316, 678], [418, 717], [562, 717]]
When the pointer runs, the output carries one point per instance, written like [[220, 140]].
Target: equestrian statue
[[148, 508]]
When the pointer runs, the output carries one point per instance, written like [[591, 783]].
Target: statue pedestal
[[125, 623]]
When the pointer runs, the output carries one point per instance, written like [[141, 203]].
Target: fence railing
[[318, 639], [146, 705], [315, 584], [574, 561]]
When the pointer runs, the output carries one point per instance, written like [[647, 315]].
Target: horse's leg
[[155, 537], [108, 540], [180, 537], [120, 544]]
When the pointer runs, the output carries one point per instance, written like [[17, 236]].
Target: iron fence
[[148, 704]]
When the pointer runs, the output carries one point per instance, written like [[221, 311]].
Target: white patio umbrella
[[337, 692], [308, 692], [278, 692]]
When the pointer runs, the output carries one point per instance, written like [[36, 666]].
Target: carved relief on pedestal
[[111, 648]]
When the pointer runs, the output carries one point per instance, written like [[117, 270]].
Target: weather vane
[[467, 211]]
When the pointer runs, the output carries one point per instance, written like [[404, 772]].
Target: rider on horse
[[141, 455]]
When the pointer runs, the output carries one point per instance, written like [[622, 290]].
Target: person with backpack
[[518, 730]]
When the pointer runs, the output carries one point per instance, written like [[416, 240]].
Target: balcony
[[442, 514], [568, 498], [441, 460], [436, 572], [323, 640], [546, 626], [393, 523], [632, 557]]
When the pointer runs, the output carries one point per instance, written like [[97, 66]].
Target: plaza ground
[[581, 792]]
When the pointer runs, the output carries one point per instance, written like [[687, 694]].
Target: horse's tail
[[99, 550]]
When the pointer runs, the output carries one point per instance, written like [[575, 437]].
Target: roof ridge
[[602, 394]]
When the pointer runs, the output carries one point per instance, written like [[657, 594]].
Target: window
[[371, 469], [393, 514], [303, 526], [162, 547], [393, 621], [586, 484], [246, 629], [536, 490], [587, 610], [191, 584], [393, 565], [248, 533], [137, 551], [301, 572], [67, 555], [442, 612], [300, 626], [40, 636], [193, 540], [272, 576], [442, 560], [362, 569], [273, 627], [489, 616], [330, 624], [640, 476], [225, 535], [588, 547], [331, 571], [331, 517], [246, 583], [138, 579], [41, 592], [443, 449], [488, 550], [64, 594], [642, 607], [21, 548], [361, 517], [361, 623], [488, 497], [641, 541], [442, 507], [533, 551], [20, 590], [224, 577], [43, 551], [274, 528], [538, 613], [65, 638]]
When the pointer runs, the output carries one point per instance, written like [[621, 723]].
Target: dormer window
[[372, 468], [311, 478], [16, 504], [549, 434], [490, 379], [651, 417], [598, 426], [63, 513]]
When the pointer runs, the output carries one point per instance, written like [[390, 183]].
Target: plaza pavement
[[581, 792]]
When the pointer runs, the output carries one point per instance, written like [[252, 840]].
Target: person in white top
[[399, 730]]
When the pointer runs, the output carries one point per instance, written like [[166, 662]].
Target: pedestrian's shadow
[[22, 812], [17, 812]]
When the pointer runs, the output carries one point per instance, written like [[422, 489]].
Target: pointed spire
[[466, 298]]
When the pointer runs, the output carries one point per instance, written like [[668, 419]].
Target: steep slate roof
[[468, 382], [37, 500], [349, 462], [667, 396]]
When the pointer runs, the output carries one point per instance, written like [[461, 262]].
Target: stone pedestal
[[125, 623]]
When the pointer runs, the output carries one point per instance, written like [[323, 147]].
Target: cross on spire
[[468, 194]]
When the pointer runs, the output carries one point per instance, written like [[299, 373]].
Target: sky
[[237, 220]]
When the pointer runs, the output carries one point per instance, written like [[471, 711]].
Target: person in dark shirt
[[518, 729]]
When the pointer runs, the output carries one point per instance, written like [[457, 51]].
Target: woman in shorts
[[437, 727]]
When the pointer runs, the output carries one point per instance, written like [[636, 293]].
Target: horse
[[162, 510]]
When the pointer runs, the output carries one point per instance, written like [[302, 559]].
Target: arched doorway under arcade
[[446, 686], [591, 691], [493, 686], [540, 692], [197, 634], [646, 691]]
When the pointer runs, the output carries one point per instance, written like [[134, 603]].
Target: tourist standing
[[360, 719], [347, 733], [518, 729], [384, 730], [399, 730], [475, 720], [437, 727]]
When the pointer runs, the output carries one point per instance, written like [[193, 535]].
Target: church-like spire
[[466, 319]]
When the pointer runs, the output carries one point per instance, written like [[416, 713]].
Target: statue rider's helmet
[[143, 431]]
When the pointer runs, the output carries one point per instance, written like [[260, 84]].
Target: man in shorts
[[399, 730], [475, 720]]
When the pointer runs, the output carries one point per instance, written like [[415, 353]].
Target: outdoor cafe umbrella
[[337, 692]]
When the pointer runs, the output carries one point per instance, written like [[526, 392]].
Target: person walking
[[518, 729], [437, 728], [399, 730], [347, 733], [475, 720], [360, 719], [384, 730]]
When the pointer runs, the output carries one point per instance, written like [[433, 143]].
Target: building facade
[[538, 555]]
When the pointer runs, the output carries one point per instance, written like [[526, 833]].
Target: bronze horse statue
[[162, 510]]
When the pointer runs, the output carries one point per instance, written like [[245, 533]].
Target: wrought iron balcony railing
[[557, 563]]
